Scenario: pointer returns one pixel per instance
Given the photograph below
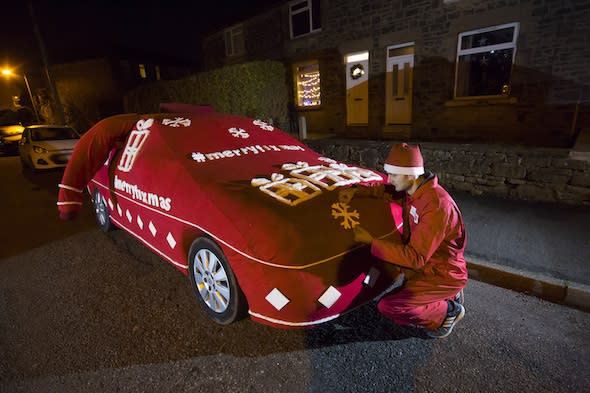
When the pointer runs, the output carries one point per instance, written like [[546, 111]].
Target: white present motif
[[263, 125], [177, 122], [135, 141], [326, 177], [144, 124], [290, 166], [288, 190], [362, 174], [328, 160], [349, 218], [238, 133]]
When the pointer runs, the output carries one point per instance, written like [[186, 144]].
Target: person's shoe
[[454, 315], [460, 297]]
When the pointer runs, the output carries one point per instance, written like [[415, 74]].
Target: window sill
[[481, 101], [314, 108]]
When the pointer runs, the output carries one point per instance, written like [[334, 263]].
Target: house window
[[234, 41], [484, 61], [142, 72], [307, 79], [157, 73], [304, 17]]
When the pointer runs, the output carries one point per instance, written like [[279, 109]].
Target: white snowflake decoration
[[177, 122], [263, 125], [349, 218], [238, 133]]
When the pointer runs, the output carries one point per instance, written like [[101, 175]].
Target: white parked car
[[47, 146]]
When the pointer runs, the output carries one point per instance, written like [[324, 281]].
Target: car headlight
[[39, 150]]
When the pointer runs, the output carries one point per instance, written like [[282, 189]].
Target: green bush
[[256, 89]]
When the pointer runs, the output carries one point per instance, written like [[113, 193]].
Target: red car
[[250, 214]]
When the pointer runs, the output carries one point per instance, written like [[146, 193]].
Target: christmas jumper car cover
[[269, 202]]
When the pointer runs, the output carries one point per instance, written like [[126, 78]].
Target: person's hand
[[361, 235], [346, 195]]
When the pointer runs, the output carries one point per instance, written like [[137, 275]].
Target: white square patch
[[152, 229], [277, 299], [171, 240], [330, 297]]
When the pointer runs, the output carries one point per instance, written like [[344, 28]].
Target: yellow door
[[357, 89], [398, 90]]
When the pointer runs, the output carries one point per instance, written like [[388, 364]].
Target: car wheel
[[214, 283], [102, 213]]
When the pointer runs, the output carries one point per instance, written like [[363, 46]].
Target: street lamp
[[8, 72]]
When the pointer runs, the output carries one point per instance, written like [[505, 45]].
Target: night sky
[[77, 30]]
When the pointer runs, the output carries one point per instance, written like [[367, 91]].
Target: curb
[[548, 288]]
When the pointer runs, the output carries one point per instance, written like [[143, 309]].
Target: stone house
[[501, 71]]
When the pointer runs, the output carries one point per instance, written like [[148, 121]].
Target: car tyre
[[214, 283], [102, 212]]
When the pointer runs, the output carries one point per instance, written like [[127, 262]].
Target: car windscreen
[[52, 134]]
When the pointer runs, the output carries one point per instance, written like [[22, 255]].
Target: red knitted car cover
[[267, 199]]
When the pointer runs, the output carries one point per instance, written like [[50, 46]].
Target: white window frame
[[229, 36], [480, 49], [307, 8]]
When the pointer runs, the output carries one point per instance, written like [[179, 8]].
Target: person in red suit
[[430, 250]]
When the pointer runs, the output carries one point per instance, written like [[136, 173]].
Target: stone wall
[[547, 175]]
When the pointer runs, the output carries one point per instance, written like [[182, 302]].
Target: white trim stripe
[[287, 323], [69, 188], [68, 203], [403, 170]]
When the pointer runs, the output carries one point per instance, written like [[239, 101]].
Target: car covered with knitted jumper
[[250, 214]]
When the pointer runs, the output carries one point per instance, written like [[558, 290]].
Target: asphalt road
[[81, 311]]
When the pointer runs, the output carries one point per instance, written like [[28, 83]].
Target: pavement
[[542, 249]]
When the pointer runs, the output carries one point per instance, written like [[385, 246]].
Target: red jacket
[[437, 239]]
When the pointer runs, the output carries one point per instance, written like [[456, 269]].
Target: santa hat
[[404, 159]]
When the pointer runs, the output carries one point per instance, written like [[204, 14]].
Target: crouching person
[[431, 246]]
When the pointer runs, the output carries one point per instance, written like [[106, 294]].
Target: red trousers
[[420, 301]]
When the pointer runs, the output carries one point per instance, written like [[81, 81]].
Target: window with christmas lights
[[308, 84], [484, 61], [304, 17]]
